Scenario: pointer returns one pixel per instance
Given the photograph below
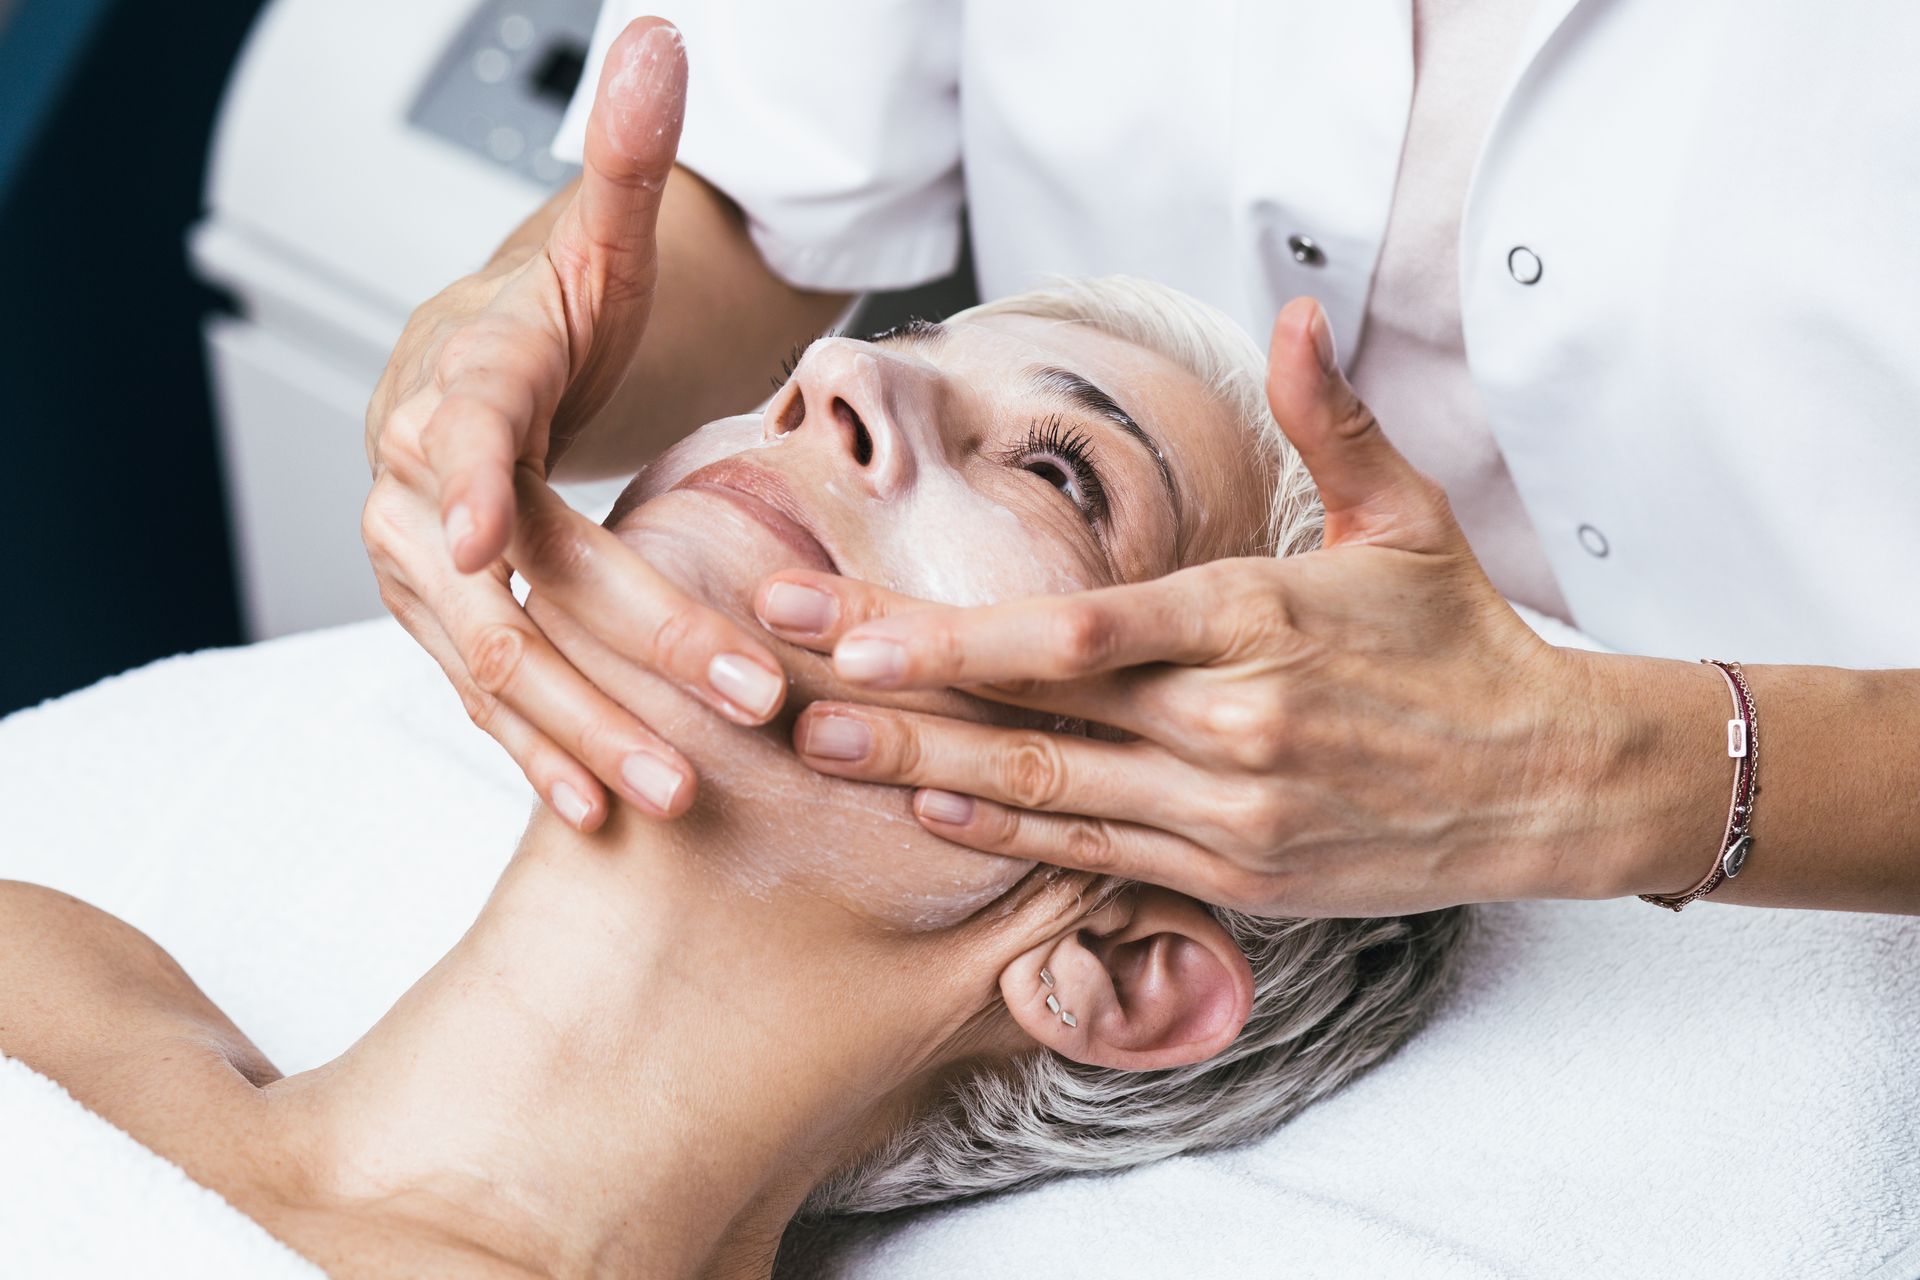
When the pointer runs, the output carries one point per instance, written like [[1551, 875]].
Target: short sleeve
[[834, 125]]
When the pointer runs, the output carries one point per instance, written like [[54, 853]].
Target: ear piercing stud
[[1053, 1001]]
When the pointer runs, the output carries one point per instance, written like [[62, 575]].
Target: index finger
[[813, 610], [507, 376], [1042, 639], [1103, 846]]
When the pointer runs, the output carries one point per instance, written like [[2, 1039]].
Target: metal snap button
[[1523, 264], [1594, 541], [1305, 251]]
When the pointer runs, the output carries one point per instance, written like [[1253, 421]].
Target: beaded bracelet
[[1743, 745]]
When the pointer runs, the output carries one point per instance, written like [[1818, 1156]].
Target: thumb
[[603, 246], [1370, 491]]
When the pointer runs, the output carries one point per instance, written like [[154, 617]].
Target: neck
[[583, 1084]]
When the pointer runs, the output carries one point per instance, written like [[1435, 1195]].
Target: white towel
[[1612, 1090], [79, 1198]]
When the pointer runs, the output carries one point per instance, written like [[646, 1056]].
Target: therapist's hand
[[1364, 729], [487, 379]]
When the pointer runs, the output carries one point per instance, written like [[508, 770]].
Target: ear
[[1149, 981]]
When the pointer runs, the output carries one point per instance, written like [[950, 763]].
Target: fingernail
[[945, 806], [870, 661], [745, 684], [459, 526], [1322, 332], [652, 778], [570, 804], [796, 608], [836, 738]]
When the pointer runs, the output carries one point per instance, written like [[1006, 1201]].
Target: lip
[[764, 496]]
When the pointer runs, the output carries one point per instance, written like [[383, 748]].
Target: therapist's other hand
[[1364, 729], [480, 392]]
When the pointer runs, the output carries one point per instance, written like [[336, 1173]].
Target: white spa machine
[[367, 154]]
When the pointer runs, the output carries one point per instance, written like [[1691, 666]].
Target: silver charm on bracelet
[[1736, 856]]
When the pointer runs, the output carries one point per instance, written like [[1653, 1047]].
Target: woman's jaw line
[[765, 824]]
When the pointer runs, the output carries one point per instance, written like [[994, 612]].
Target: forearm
[[721, 324], [1836, 824]]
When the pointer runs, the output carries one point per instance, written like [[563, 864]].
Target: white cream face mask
[[932, 499], [948, 544]]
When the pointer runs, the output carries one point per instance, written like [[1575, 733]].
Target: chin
[[708, 548]]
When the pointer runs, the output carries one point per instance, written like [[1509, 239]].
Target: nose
[[864, 405]]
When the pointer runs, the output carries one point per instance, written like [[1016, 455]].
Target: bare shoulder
[[90, 1001], [81, 989]]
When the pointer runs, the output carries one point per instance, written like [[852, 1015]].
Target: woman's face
[[971, 463]]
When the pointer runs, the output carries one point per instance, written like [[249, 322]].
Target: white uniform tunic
[[1689, 256]]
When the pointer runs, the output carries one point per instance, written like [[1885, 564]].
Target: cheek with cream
[[948, 541], [765, 822], [954, 544]]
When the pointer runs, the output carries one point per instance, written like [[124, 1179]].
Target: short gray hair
[[1331, 997]]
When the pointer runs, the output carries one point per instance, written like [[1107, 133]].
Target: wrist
[[1648, 795]]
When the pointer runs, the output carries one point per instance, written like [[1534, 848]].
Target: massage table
[[1608, 1090]]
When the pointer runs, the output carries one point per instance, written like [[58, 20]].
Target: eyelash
[[1067, 450], [1044, 436], [909, 328], [792, 360]]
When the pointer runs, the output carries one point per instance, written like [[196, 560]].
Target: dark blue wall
[[111, 520]]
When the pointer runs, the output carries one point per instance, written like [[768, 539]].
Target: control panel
[[501, 86]]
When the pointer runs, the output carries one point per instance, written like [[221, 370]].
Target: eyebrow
[[1065, 384]]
